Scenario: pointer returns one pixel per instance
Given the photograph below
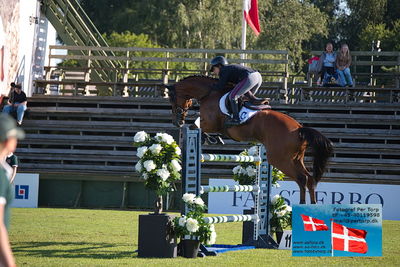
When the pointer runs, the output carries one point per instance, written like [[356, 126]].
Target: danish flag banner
[[251, 15], [348, 239], [337, 230], [313, 224]]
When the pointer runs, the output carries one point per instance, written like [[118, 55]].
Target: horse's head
[[182, 93], [180, 106]]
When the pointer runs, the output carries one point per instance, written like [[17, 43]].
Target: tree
[[360, 14], [128, 39], [289, 24]]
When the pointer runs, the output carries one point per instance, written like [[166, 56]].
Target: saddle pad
[[244, 114]]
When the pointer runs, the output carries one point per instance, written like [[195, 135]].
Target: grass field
[[83, 237]]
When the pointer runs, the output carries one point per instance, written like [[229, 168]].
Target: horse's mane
[[199, 76]]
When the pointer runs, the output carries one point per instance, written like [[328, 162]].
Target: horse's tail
[[322, 149]]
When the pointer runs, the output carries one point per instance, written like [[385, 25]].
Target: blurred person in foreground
[[9, 134]]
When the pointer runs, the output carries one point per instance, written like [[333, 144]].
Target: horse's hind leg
[[311, 185], [295, 170]]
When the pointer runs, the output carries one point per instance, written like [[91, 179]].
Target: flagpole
[[332, 237], [244, 26]]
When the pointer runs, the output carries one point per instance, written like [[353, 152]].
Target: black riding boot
[[234, 120]]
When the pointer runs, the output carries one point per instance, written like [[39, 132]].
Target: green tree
[[289, 24], [362, 13], [389, 36], [128, 39]]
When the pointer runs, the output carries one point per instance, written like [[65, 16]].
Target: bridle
[[179, 112]]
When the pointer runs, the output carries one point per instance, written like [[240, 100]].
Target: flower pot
[[248, 228], [279, 235], [155, 237], [190, 248]]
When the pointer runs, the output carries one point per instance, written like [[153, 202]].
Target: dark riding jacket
[[232, 73]]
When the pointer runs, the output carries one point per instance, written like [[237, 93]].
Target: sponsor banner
[[353, 230], [26, 190], [327, 193]]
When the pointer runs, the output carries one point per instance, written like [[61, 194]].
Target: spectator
[[17, 102], [343, 62], [12, 160], [9, 133], [326, 63]]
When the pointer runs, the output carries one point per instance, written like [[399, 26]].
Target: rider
[[244, 78]]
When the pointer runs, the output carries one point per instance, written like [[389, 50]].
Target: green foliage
[[389, 36], [69, 63], [245, 173], [289, 24], [129, 39], [193, 225], [281, 214]]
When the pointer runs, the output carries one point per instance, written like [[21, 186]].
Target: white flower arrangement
[[155, 149], [141, 151], [188, 198], [198, 201], [280, 214], [253, 151], [149, 165], [193, 223], [175, 165], [275, 199], [140, 137], [245, 173], [163, 137], [163, 174], [158, 161]]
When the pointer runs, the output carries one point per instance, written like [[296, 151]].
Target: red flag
[[251, 15], [349, 239], [312, 224]]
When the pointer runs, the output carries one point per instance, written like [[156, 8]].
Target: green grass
[[78, 237]]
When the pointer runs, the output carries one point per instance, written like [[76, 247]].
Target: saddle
[[250, 101]]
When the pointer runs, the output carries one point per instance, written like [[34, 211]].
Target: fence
[[161, 64]]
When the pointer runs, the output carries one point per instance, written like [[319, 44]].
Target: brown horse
[[283, 137]]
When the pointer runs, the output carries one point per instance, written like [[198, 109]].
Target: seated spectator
[[17, 102], [326, 63], [343, 62]]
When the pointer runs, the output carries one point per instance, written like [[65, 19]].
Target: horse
[[284, 138]]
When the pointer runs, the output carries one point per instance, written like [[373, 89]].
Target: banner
[[350, 230], [26, 190], [327, 193]]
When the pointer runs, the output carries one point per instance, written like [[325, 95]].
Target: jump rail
[[231, 218], [230, 188], [229, 158]]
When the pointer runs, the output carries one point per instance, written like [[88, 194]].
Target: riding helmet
[[218, 60]]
